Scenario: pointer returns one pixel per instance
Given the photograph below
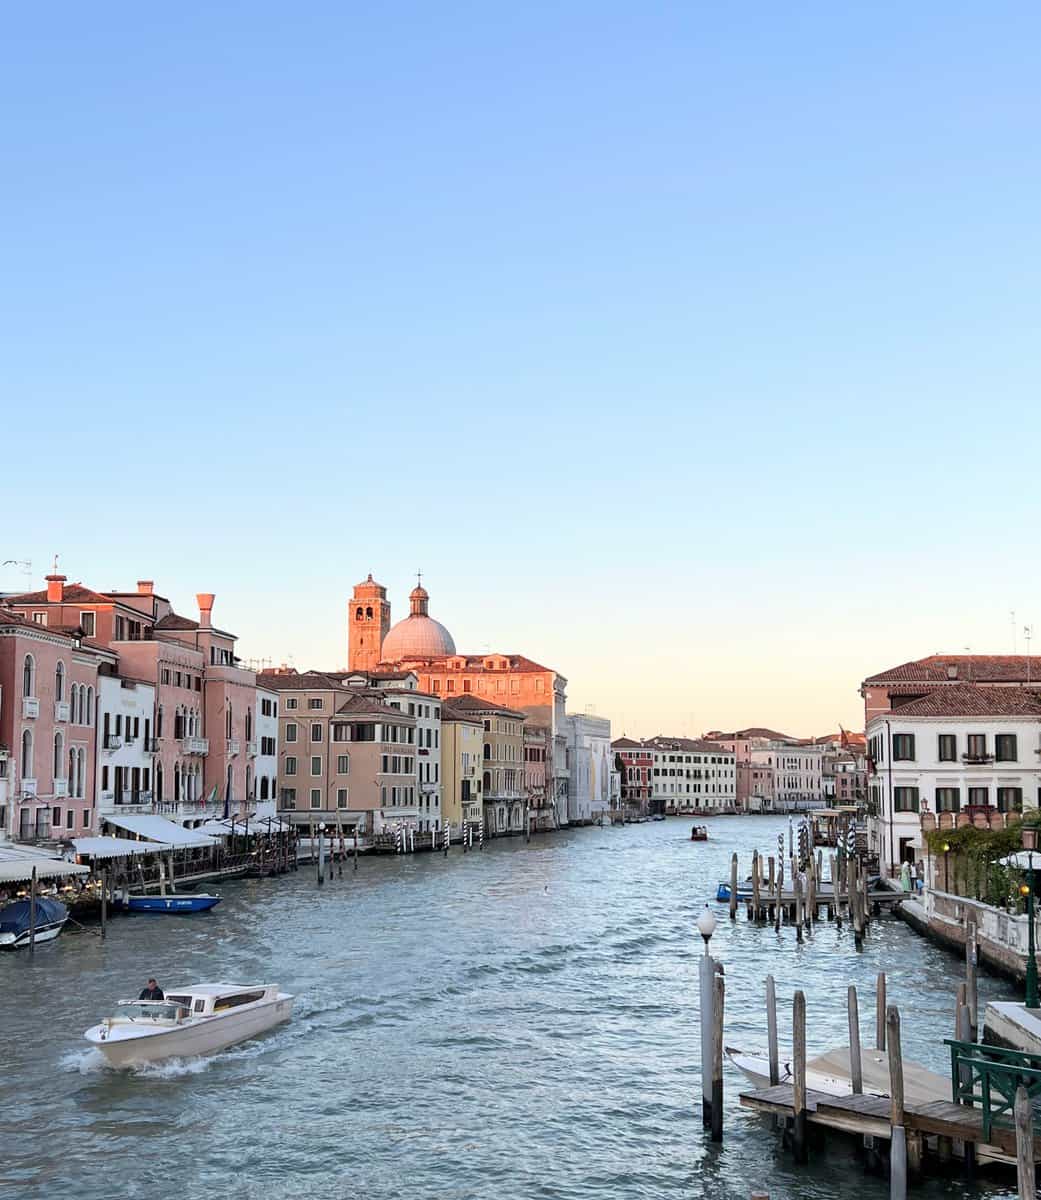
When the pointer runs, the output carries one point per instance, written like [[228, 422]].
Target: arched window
[[81, 778], [29, 676], [159, 781], [368, 613], [59, 754], [88, 716], [177, 782], [249, 784], [72, 773], [358, 614], [249, 724], [59, 681], [227, 794], [263, 787], [27, 755], [227, 721]]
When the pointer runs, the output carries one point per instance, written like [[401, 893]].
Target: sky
[[689, 349]]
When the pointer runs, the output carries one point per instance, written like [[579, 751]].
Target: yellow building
[[462, 747]]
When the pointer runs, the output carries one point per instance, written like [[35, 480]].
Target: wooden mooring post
[[32, 913], [880, 1011], [733, 887], [835, 911], [971, 964], [898, 1135], [856, 1073], [779, 906], [799, 1076], [754, 912], [771, 1031], [797, 885], [962, 1033], [104, 903]]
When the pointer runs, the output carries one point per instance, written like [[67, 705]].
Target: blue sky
[[691, 350]]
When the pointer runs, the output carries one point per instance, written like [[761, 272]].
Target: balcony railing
[[61, 787], [977, 758], [195, 745], [28, 787], [30, 706], [234, 746], [61, 710], [113, 741]]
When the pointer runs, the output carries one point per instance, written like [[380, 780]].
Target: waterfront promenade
[[517, 1022]]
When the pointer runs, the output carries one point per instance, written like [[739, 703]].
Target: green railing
[[989, 1076]]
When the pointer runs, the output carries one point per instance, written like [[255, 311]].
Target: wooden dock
[[869, 1116]]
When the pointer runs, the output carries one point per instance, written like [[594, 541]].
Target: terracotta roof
[[660, 742], [74, 593], [624, 743], [966, 700], [449, 712], [468, 701], [370, 704], [968, 668], [298, 681], [174, 620], [755, 731]]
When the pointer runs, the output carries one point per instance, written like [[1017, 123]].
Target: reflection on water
[[511, 1023]]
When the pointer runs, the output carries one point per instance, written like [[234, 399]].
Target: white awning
[[240, 826], [159, 829], [116, 847], [17, 862]]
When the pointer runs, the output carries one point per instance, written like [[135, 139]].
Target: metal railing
[[989, 1076]]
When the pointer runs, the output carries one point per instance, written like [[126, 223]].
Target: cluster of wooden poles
[[802, 902]]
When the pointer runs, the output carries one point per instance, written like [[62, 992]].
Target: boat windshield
[[145, 1010]]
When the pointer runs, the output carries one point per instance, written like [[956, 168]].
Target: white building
[[960, 746], [690, 775], [265, 745], [590, 767], [798, 773], [126, 746]]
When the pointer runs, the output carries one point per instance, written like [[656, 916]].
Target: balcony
[[61, 710], [195, 745], [113, 741], [136, 800], [28, 787], [251, 748], [30, 707], [234, 746], [977, 758], [61, 787]]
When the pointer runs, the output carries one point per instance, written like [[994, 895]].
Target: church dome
[[419, 635]]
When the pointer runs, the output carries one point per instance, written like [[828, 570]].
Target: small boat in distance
[[15, 919], [200, 1019], [699, 833], [172, 902]]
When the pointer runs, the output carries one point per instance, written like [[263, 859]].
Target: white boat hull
[[125, 1047], [10, 941]]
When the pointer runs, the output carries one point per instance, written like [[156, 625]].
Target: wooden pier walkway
[[870, 1116]]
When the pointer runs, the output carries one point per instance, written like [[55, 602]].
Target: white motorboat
[[194, 1020], [756, 1068]]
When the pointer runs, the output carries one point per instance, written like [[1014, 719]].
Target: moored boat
[[699, 833], [195, 1020], [173, 902], [16, 919]]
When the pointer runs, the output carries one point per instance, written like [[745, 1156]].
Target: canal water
[[514, 1023]]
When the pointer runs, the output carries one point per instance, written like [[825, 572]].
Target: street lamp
[[1030, 845], [946, 851], [707, 926]]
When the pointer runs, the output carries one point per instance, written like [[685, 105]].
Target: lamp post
[[1030, 845], [946, 851], [707, 926]]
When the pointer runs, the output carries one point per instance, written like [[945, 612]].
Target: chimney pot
[[55, 589], [205, 602], [144, 587]]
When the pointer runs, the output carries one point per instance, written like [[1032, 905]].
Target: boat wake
[[92, 1062]]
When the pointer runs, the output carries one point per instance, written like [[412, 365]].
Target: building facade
[[690, 775], [962, 749], [462, 757], [635, 765], [590, 766], [502, 764]]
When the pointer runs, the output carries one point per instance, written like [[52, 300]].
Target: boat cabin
[[203, 1000]]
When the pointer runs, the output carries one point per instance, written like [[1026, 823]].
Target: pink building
[[635, 766], [48, 695], [204, 743]]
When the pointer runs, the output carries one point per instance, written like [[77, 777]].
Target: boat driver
[[152, 992]]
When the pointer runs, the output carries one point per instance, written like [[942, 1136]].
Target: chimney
[[144, 587], [205, 601], [55, 589]]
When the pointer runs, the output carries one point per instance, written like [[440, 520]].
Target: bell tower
[[368, 620]]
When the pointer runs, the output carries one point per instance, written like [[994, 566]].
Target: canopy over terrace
[[116, 847], [158, 829], [236, 826], [17, 863]]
